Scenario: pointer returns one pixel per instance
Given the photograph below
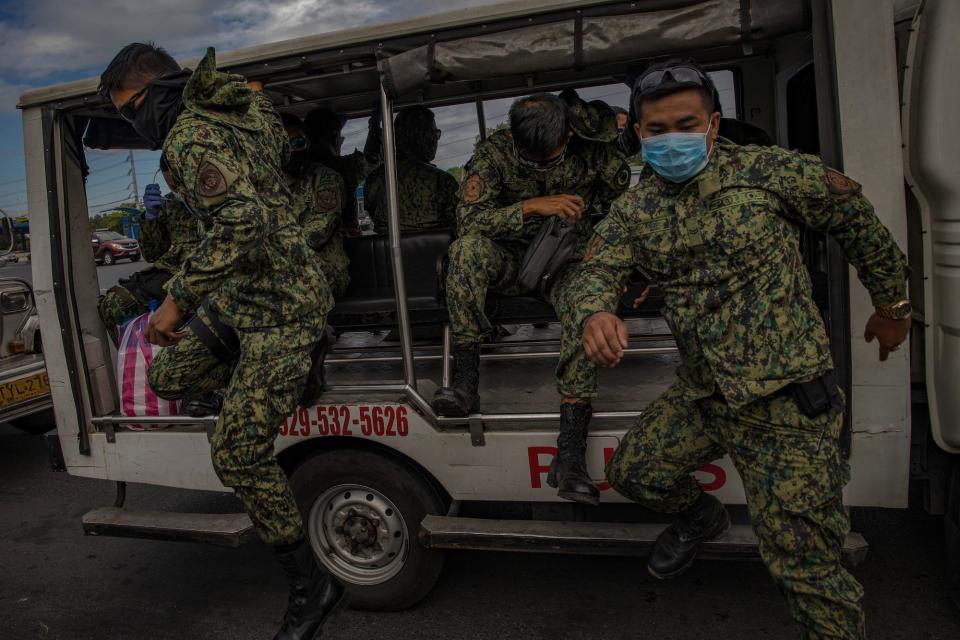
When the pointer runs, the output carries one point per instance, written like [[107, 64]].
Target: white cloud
[[48, 38]]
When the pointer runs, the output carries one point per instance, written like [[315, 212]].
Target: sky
[[45, 42]]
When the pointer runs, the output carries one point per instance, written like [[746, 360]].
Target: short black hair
[[415, 119], [323, 125], [134, 66], [620, 110], [707, 90], [291, 121], [539, 123]]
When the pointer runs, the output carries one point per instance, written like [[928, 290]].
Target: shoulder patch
[[210, 180], [328, 200], [472, 189], [622, 179], [839, 184]]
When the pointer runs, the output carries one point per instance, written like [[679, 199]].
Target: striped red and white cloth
[[134, 356]]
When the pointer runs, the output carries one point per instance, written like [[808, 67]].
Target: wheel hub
[[358, 534]]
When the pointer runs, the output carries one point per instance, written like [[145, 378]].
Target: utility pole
[[133, 174]]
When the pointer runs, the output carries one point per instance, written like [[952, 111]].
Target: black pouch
[[221, 340], [551, 249], [817, 396], [147, 285]]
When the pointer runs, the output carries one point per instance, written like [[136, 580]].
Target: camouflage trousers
[[261, 388], [793, 474], [478, 265]]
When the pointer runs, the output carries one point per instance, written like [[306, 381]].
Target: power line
[[108, 180]]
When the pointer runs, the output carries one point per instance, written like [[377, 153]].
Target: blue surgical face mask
[[676, 156]]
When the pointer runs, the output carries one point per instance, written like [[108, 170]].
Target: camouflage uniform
[[318, 196], [725, 247], [260, 277], [427, 196], [164, 241], [493, 235]]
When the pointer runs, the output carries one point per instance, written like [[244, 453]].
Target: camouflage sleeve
[[613, 174], [479, 209], [155, 235], [323, 218], [447, 200], [214, 180], [825, 199], [598, 283]]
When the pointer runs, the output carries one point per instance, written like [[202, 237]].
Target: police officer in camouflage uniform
[[324, 128], [559, 157], [318, 195], [427, 195], [719, 225], [168, 233], [253, 281]]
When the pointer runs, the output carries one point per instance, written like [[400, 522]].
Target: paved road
[[57, 585], [108, 276]]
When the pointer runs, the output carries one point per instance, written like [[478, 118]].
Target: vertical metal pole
[[481, 119], [393, 226], [133, 174]]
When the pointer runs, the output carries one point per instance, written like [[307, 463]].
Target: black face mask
[[298, 162], [161, 105]]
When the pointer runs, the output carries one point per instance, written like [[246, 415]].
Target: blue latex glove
[[152, 201]]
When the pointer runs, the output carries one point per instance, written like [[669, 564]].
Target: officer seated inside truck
[[427, 195]]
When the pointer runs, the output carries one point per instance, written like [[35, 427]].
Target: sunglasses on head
[[128, 110], [680, 74], [539, 165]]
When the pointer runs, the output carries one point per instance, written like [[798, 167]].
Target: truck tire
[[36, 423], [362, 512]]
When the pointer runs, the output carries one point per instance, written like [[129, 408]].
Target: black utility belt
[[816, 397], [222, 341]]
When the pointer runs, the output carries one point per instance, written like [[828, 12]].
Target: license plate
[[17, 391]]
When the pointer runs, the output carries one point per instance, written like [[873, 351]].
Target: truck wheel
[[36, 423], [108, 258], [135, 257], [951, 521], [362, 512]]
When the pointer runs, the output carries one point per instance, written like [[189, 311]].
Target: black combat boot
[[677, 546], [568, 471], [316, 377], [315, 595], [463, 397], [208, 404]]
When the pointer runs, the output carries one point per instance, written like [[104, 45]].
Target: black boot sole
[[717, 531], [573, 496]]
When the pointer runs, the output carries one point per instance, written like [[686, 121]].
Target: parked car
[[109, 246]]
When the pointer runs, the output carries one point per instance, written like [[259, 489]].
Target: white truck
[[384, 483]]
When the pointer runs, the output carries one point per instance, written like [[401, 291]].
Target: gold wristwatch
[[900, 310]]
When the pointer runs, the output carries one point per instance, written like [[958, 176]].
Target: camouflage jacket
[[427, 195], [226, 151], [725, 248], [318, 197], [495, 184], [171, 236]]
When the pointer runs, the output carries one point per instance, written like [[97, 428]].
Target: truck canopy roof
[[489, 49]]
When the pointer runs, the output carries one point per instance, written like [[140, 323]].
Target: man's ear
[[636, 129], [569, 135]]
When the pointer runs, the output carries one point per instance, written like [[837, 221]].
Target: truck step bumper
[[224, 529], [596, 538]]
